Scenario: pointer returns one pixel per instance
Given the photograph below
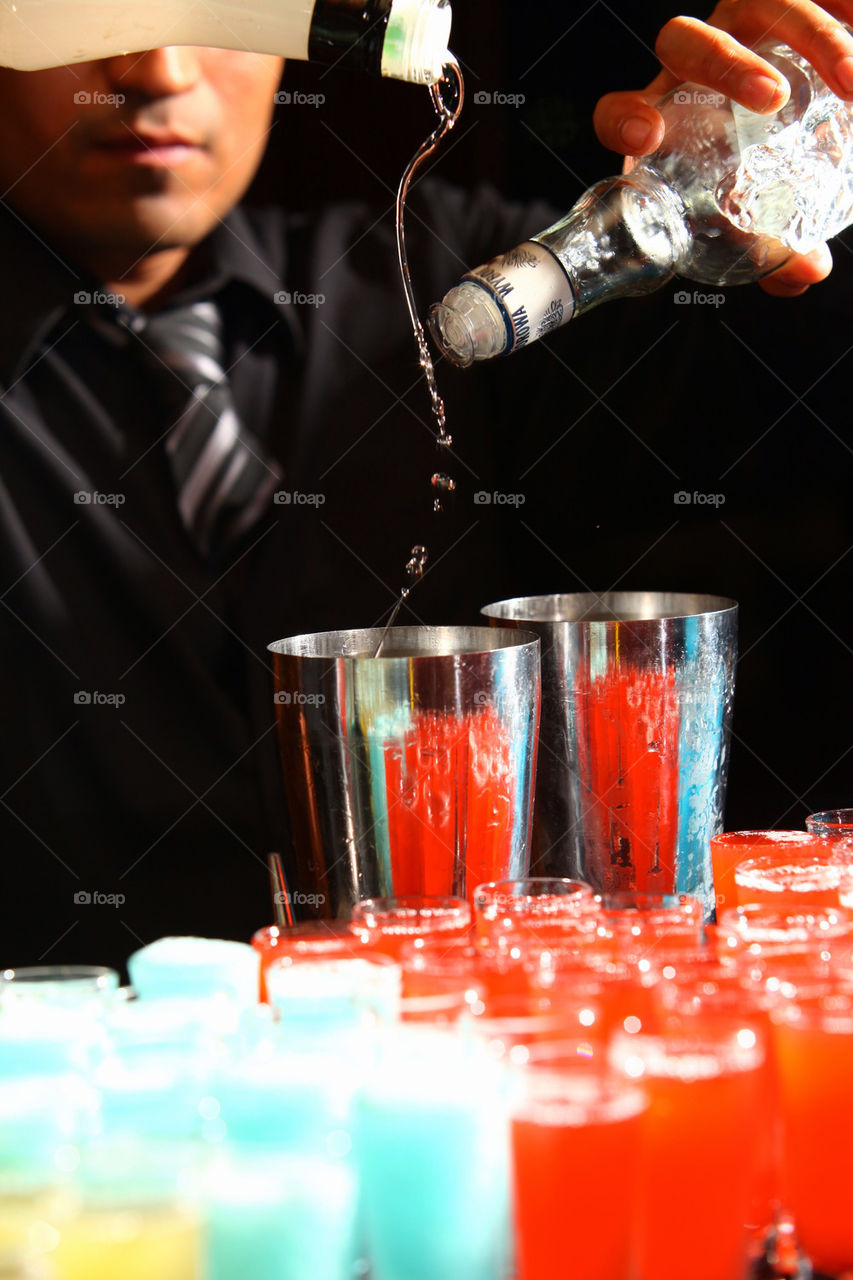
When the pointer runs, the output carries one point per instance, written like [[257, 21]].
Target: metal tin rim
[[427, 642]]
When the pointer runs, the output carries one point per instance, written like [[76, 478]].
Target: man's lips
[[161, 148]]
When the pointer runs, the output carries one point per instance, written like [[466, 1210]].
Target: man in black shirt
[[140, 780]]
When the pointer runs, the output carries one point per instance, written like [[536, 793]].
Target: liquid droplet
[[437, 506], [442, 482], [415, 565], [444, 440]]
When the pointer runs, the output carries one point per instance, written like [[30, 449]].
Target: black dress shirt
[[141, 785]]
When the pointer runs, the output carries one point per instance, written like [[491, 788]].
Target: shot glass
[[389, 924], [327, 995], [431, 1138], [705, 1079], [88, 987], [195, 968], [831, 824], [814, 1049], [798, 882], [538, 905], [573, 1123], [320, 939], [731, 847]]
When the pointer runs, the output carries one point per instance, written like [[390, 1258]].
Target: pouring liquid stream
[[447, 97]]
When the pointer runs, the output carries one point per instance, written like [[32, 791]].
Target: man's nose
[[156, 73]]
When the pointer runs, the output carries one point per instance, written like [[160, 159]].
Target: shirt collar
[[41, 285]]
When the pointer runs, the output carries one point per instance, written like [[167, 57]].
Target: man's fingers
[[686, 47], [798, 273], [693, 50], [628, 123]]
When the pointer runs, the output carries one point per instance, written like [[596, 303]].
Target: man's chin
[[144, 226]]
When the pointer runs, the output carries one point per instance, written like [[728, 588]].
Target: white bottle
[[403, 39]]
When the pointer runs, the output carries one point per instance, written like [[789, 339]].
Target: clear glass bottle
[[726, 198], [403, 39]]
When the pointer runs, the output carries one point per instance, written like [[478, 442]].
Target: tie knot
[[188, 340]]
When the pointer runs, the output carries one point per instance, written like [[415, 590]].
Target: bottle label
[[531, 289]]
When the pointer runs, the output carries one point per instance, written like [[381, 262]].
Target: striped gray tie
[[224, 479]]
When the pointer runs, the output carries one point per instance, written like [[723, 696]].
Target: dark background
[[641, 399]]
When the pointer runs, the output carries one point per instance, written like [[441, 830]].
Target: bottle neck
[[349, 32], [624, 237], [402, 39]]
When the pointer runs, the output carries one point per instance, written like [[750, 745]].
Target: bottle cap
[[416, 39], [467, 325]]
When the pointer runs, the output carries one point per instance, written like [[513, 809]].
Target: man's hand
[[717, 54]]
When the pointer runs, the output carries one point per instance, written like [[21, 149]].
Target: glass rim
[[783, 837], [97, 975]]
